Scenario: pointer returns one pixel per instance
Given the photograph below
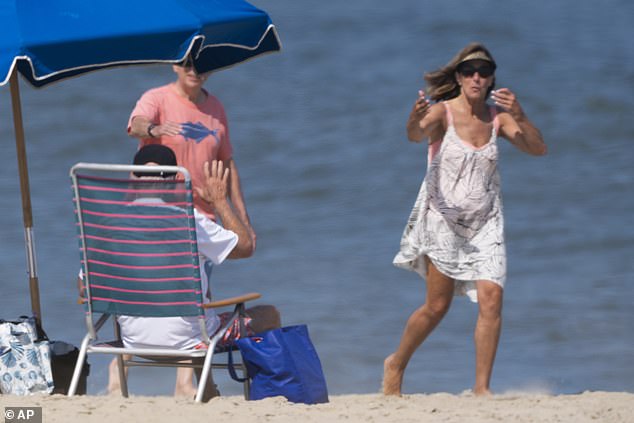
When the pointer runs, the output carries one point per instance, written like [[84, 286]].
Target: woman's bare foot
[[392, 377]]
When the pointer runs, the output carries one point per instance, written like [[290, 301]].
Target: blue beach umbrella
[[47, 41]]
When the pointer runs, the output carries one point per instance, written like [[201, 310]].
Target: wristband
[[149, 129]]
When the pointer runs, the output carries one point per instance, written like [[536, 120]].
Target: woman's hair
[[442, 84]]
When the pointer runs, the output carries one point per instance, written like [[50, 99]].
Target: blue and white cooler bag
[[25, 361]]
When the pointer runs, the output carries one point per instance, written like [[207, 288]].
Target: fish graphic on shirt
[[197, 132]]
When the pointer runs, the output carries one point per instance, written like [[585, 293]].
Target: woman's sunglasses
[[469, 70]]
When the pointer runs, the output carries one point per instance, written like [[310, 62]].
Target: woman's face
[[475, 77]]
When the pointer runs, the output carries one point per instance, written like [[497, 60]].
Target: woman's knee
[[438, 307], [490, 298], [440, 290]]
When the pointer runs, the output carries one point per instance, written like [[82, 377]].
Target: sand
[[595, 407]]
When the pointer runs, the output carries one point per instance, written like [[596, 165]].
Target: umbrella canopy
[[52, 40], [46, 41]]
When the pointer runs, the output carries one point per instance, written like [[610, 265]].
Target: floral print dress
[[457, 219]]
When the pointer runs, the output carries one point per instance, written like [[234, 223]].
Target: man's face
[[188, 77]]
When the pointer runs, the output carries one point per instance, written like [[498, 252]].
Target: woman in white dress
[[454, 237]]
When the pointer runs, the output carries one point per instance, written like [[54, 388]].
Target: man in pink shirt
[[185, 117]]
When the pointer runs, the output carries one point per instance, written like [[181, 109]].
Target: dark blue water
[[329, 179]]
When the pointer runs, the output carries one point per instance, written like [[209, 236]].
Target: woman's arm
[[425, 119], [515, 126]]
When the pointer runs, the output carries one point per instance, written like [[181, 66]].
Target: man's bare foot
[[482, 392], [187, 391], [114, 388], [184, 386], [114, 385], [210, 392], [392, 377]]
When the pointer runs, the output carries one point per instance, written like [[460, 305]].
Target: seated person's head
[[155, 155]]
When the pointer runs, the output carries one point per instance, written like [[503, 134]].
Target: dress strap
[[449, 115], [496, 122]]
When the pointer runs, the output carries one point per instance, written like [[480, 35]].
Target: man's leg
[[264, 317], [184, 386], [211, 390], [114, 383]]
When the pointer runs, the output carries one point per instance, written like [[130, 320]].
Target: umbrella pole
[[26, 195]]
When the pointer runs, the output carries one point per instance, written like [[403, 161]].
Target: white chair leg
[[204, 376], [79, 366]]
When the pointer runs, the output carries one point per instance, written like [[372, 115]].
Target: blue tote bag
[[284, 362]]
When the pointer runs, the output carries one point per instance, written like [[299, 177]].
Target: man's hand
[[168, 128], [214, 190]]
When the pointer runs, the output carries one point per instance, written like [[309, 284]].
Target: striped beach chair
[[139, 257]]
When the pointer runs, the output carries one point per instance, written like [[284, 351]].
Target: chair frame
[[155, 357]]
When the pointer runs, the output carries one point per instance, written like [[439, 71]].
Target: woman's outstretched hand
[[507, 100], [418, 113], [421, 106]]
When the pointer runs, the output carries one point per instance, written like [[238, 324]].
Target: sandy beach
[[608, 407]]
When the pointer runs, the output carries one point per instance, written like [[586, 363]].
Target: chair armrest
[[233, 300], [214, 304]]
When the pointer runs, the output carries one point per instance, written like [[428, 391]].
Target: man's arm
[[237, 199], [214, 191], [142, 127]]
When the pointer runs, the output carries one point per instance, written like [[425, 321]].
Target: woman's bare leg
[[440, 289], [487, 333]]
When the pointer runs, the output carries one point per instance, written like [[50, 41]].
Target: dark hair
[[155, 153], [442, 83]]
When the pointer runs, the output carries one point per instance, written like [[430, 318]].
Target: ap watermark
[[22, 414]]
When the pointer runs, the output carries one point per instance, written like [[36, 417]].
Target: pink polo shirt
[[205, 136]]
